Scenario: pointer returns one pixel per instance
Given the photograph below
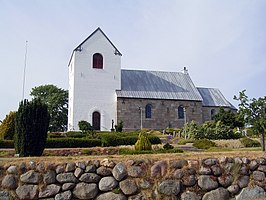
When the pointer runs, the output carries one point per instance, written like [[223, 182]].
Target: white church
[[103, 94]]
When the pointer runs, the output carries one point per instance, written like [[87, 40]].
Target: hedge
[[72, 143], [114, 139]]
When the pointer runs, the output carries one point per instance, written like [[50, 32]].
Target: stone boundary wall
[[213, 178]]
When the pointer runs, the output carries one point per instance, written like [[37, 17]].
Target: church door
[[96, 120]]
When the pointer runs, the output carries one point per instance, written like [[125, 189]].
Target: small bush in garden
[[247, 142], [119, 127], [168, 146], [7, 127], [183, 141], [143, 143], [85, 126], [203, 144]]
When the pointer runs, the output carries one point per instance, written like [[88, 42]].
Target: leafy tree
[[229, 118], [57, 101], [32, 120], [85, 126], [7, 127], [254, 113]]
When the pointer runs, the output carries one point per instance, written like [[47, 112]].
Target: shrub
[[123, 138], [203, 144], [119, 127], [168, 146], [183, 141], [7, 127], [32, 121], [72, 143], [247, 142], [143, 143], [85, 126], [154, 139]]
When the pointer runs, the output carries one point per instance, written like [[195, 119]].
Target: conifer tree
[[32, 121]]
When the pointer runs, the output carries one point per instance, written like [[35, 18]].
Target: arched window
[[213, 112], [148, 111], [180, 112], [96, 120], [97, 61]]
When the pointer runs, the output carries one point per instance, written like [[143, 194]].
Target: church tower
[[94, 77]]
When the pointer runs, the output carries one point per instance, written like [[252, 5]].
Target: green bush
[[7, 127], [247, 142], [203, 144], [183, 141], [85, 126], [123, 138], [168, 146], [7, 144], [32, 121], [154, 139], [119, 127], [143, 143], [72, 143]]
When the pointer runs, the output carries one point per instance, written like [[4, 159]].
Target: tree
[[254, 113], [85, 126], [7, 127], [32, 120], [229, 118], [57, 101]]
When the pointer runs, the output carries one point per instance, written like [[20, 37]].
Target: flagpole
[[24, 70]]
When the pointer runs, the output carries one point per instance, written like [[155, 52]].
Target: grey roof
[[157, 85], [213, 97]]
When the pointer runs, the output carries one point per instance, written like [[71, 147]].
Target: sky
[[221, 42]]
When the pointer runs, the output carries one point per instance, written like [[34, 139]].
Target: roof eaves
[[117, 52]]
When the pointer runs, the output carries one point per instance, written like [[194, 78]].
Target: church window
[[180, 112], [213, 112], [148, 111], [97, 61]]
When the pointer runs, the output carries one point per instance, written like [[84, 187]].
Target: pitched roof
[[98, 29], [157, 85], [214, 98]]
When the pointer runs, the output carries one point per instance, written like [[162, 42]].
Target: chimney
[[185, 70]]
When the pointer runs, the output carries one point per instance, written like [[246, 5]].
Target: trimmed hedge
[[103, 139], [116, 139], [247, 142], [72, 143]]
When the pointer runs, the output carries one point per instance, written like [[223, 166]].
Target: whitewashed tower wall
[[93, 89]]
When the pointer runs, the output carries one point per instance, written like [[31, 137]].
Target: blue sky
[[221, 42]]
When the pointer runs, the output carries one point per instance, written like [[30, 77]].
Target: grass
[[249, 153]]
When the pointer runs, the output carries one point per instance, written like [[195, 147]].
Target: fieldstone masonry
[[223, 178]]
